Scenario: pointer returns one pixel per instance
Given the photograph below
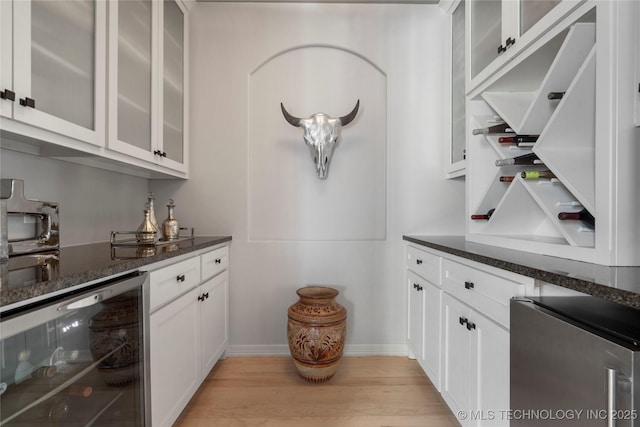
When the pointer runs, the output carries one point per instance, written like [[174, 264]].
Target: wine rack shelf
[[528, 110], [561, 147], [525, 209]]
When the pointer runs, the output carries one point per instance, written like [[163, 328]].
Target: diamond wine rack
[[527, 209]]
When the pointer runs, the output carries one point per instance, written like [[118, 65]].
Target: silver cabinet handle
[[612, 383], [86, 301], [618, 391]]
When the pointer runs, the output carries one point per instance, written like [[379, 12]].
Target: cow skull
[[321, 134]]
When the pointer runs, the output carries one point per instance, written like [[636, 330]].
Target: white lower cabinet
[[213, 319], [456, 372], [174, 357], [188, 332], [423, 328], [432, 332], [475, 373], [415, 331], [458, 331]]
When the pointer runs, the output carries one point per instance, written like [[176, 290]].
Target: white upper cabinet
[[456, 133], [53, 66], [131, 65], [147, 57], [498, 29], [101, 83]]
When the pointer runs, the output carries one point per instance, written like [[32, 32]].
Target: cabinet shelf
[[529, 211], [486, 151], [519, 215], [551, 196]]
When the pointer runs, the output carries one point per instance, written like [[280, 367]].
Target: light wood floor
[[366, 391]]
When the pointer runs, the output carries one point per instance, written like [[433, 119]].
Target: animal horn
[[345, 120], [295, 121]]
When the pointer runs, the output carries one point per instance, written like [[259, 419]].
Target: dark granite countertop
[[617, 284], [73, 266]]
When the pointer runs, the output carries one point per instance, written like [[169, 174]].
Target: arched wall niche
[[286, 199]]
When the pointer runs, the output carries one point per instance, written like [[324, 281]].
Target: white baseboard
[[349, 350]]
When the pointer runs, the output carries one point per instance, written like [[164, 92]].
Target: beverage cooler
[[575, 362], [79, 359]]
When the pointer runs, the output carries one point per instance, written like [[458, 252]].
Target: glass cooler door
[[76, 361]]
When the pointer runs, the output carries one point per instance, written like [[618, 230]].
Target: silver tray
[[129, 239]]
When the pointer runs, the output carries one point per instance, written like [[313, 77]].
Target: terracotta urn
[[316, 331]]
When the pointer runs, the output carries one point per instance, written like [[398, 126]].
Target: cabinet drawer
[[214, 262], [485, 292], [172, 281], [425, 264]]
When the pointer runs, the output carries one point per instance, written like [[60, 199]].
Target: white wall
[[93, 202], [248, 166]]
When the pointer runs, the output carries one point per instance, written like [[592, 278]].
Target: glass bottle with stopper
[[170, 229], [152, 212], [147, 232]]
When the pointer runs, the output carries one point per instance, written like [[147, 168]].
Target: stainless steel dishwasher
[[574, 362]]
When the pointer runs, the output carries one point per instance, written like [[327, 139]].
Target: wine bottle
[[79, 390], [499, 128], [537, 174], [44, 372], [517, 139], [555, 95], [483, 216], [583, 215], [525, 159], [507, 178]]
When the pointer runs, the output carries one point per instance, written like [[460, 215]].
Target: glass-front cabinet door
[[458, 143], [497, 26], [54, 77], [173, 83], [532, 11], [485, 33], [131, 69], [146, 62]]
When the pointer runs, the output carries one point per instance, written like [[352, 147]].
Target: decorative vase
[[316, 331], [170, 228], [114, 339], [152, 212], [147, 232]]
